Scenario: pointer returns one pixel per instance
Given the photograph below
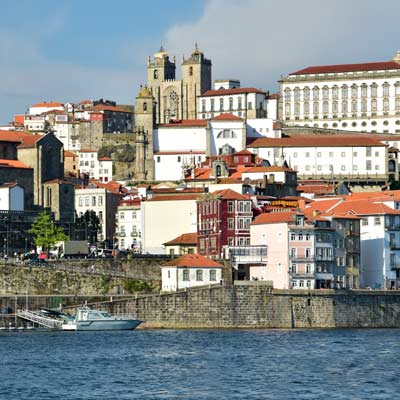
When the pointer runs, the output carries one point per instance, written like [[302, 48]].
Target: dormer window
[[299, 220], [155, 74]]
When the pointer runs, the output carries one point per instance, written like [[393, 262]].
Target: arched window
[[325, 92], [221, 104], [144, 106], [385, 89], [385, 104], [397, 104], [306, 93], [354, 91], [306, 108], [155, 74], [230, 103], [190, 71], [335, 92], [287, 94], [203, 105], [316, 93], [345, 92], [296, 108], [239, 103], [325, 107], [374, 90], [364, 105], [374, 105], [364, 90], [315, 108], [287, 109], [296, 93], [335, 107], [354, 106], [397, 88], [345, 107]]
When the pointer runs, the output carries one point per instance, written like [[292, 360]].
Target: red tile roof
[[68, 153], [185, 238], [326, 69], [29, 140], [185, 123], [243, 153], [225, 92], [274, 218], [318, 141], [175, 197], [102, 107], [229, 194], [227, 117], [272, 168], [105, 159], [48, 104], [11, 136], [19, 119], [193, 260], [364, 207], [13, 164]]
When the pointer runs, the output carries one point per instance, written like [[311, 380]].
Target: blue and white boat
[[87, 319]]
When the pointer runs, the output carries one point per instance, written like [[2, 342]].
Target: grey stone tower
[[144, 128]]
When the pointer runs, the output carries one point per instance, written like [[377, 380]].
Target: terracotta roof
[[229, 194], [13, 164], [317, 141], [274, 217], [87, 151], [9, 185], [29, 140], [244, 153], [274, 96], [316, 189], [102, 107], [364, 207], [175, 197], [86, 102], [193, 260], [185, 238], [19, 119], [68, 153], [185, 123], [226, 181], [226, 92], [272, 168], [105, 159], [177, 152], [54, 111], [48, 104], [326, 69], [11, 136], [226, 117]]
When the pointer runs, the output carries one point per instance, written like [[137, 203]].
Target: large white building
[[344, 157], [188, 142], [359, 97], [97, 168]]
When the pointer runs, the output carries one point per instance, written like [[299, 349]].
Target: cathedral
[[166, 98]]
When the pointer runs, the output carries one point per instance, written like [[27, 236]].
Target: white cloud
[[257, 41]]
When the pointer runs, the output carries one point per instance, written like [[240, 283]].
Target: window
[[296, 108], [331, 154], [179, 159], [364, 105], [144, 106], [93, 200], [377, 220], [203, 105], [308, 236], [308, 268], [212, 104], [287, 94], [296, 93], [230, 103], [325, 107], [213, 275], [319, 154], [374, 105], [385, 104], [293, 269], [100, 200], [345, 91], [292, 236], [335, 107], [364, 221], [293, 252], [374, 90], [199, 275], [231, 223], [185, 276], [354, 91], [308, 253], [369, 152], [343, 154], [325, 92], [345, 106], [101, 216], [221, 104], [316, 93], [354, 106], [158, 159], [306, 108], [306, 93], [364, 90], [155, 74], [315, 108], [287, 108], [230, 206], [307, 154], [250, 105], [87, 201], [80, 201], [239, 103], [386, 89], [300, 236], [368, 165]]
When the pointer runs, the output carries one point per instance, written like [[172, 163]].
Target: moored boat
[[87, 319]]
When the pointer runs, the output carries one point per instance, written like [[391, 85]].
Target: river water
[[201, 364]]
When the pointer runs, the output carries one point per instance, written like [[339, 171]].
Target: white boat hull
[[110, 325]]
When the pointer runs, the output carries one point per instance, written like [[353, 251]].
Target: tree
[[87, 226], [44, 232]]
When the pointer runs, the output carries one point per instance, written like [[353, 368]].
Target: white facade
[[100, 169], [129, 225], [41, 108], [67, 133], [35, 123], [93, 199], [329, 159], [261, 127], [241, 102], [11, 197], [165, 218], [175, 278], [358, 97]]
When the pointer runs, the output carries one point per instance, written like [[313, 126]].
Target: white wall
[[260, 127], [179, 139], [168, 167]]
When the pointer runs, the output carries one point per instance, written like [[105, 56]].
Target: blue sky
[[69, 50]]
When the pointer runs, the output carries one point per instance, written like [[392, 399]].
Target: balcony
[[324, 258], [393, 245], [135, 234], [302, 275], [120, 234], [302, 259], [247, 254]]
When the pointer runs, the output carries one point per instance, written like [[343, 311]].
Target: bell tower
[[159, 70], [196, 79], [144, 128]]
